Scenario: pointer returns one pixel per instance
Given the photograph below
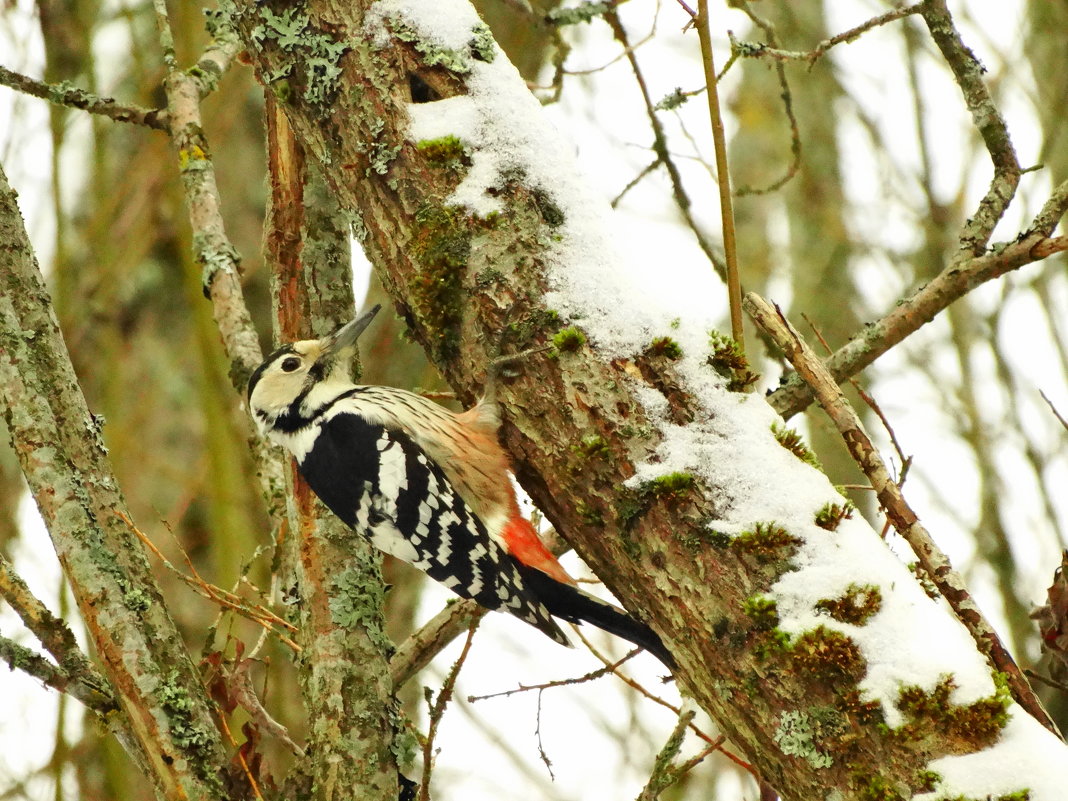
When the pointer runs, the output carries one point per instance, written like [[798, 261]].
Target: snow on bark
[[910, 640]]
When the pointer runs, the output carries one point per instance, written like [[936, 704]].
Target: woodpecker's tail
[[571, 604]]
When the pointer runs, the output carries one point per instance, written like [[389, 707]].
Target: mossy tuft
[[856, 605], [441, 247], [767, 542], [965, 728], [569, 340], [728, 359], [591, 447], [589, 514], [671, 485], [879, 789], [793, 442], [831, 515], [666, 347], [634, 501], [446, 152], [828, 654], [763, 611]]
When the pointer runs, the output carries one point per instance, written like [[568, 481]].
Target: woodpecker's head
[[295, 380]]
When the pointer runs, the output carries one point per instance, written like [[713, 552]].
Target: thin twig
[[96, 697], [987, 119], [912, 313], [255, 612], [212, 247], [787, 107], [717, 742], [437, 710], [664, 773], [637, 179], [537, 736], [906, 461], [688, 10], [591, 676], [685, 767], [65, 94], [759, 50], [240, 756], [906, 522], [1049, 682], [628, 53], [1047, 247], [53, 632], [726, 203], [1053, 409], [663, 155], [217, 57]]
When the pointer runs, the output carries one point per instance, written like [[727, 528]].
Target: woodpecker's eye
[[290, 363]]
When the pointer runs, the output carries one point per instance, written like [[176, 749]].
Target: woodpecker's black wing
[[385, 487]]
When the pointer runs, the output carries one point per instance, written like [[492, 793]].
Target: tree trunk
[[716, 556]]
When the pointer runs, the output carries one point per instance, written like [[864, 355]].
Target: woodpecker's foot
[[502, 367], [502, 364]]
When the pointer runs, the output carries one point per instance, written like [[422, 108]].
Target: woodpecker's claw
[[495, 370]]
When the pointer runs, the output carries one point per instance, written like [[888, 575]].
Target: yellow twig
[[726, 205], [256, 613]]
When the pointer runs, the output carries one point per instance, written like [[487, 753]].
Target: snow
[[912, 640], [1025, 755], [501, 123]]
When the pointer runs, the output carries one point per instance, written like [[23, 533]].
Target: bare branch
[[437, 710], [787, 105], [64, 94], [218, 55], [664, 772], [96, 697], [420, 648], [931, 558], [1052, 408], [53, 632], [604, 670], [663, 155], [910, 314], [257, 613], [987, 119], [212, 247], [65, 463], [759, 50]]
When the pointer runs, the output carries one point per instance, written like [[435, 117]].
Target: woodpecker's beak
[[340, 347], [342, 342]]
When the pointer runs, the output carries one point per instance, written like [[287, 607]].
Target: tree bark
[[791, 700], [62, 455]]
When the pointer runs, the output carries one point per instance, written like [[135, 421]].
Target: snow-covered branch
[[809, 642]]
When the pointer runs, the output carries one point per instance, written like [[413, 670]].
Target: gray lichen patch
[[320, 54]]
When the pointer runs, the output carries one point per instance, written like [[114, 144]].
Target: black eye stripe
[[257, 374]]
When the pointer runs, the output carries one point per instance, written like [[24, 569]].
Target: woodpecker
[[422, 483]]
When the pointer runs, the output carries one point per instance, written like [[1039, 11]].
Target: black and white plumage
[[422, 483]]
